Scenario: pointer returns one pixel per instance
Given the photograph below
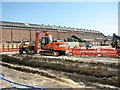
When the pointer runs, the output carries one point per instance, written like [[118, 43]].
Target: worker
[[88, 45], [51, 38]]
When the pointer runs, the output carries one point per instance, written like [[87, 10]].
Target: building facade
[[15, 32]]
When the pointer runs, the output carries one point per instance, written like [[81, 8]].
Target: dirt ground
[[30, 79], [61, 72]]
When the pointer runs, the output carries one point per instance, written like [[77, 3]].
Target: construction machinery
[[29, 47], [74, 38], [48, 45], [51, 47], [115, 41]]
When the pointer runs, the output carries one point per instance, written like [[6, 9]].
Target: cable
[[2, 77]]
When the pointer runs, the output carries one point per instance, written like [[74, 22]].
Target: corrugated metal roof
[[38, 26]]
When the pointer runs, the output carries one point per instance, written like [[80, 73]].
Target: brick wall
[[14, 34]]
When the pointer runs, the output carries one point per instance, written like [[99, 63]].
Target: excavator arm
[[78, 39]]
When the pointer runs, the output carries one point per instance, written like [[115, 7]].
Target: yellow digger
[[27, 47]]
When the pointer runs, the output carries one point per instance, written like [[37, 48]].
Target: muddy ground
[[64, 71]]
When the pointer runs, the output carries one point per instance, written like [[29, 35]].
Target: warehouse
[[15, 32]]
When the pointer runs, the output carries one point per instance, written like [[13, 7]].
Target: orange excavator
[[48, 46], [51, 47]]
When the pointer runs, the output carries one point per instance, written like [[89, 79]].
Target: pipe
[[2, 77]]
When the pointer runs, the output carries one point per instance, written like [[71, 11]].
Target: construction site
[[46, 57]]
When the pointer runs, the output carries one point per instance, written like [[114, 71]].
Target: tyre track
[[43, 73]]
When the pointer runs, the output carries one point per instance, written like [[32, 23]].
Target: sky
[[100, 16]]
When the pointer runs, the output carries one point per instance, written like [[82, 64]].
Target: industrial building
[[15, 32]]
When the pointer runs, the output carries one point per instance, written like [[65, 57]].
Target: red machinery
[[37, 39], [48, 46]]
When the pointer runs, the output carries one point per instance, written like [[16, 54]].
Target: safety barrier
[[90, 52], [94, 52], [84, 52], [110, 52], [76, 51], [9, 47]]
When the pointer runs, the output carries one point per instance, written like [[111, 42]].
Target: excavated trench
[[89, 73]]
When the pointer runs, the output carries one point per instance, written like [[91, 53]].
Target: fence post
[[3, 47], [8, 47], [17, 47], [12, 47]]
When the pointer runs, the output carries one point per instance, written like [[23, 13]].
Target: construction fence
[[103, 52], [12, 47]]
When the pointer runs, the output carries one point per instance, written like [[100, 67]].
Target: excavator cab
[[46, 39]]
